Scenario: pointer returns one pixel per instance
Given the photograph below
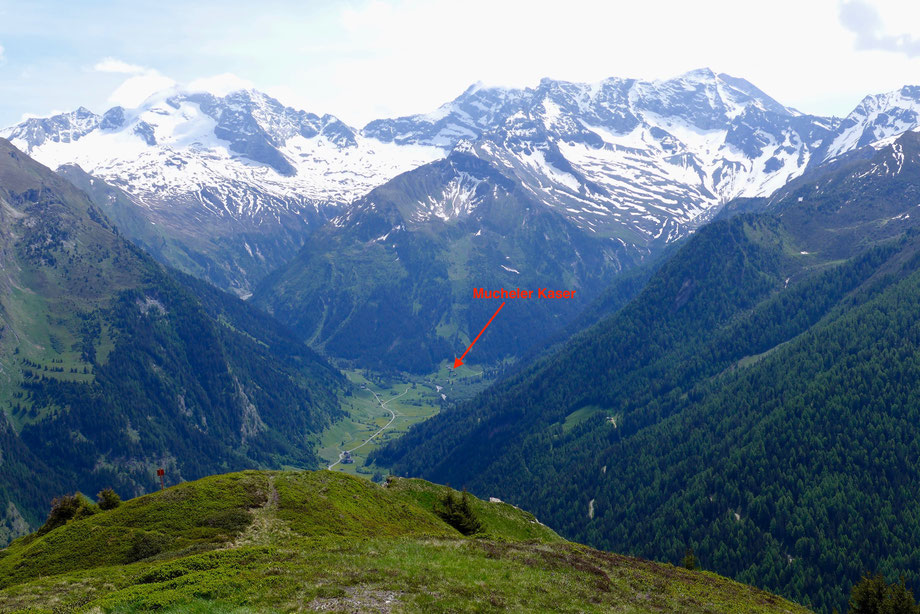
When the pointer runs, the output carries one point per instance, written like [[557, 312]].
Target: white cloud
[[220, 85], [365, 59], [118, 66], [865, 21], [51, 113], [135, 90]]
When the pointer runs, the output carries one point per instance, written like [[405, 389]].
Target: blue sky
[[361, 59]]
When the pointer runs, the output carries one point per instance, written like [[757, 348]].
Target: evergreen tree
[[458, 513], [689, 561], [873, 595]]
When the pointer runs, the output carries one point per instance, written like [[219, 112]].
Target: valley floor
[[382, 408]]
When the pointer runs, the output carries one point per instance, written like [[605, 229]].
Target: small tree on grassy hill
[[689, 561], [458, 512], [108, 499], [873, 595]]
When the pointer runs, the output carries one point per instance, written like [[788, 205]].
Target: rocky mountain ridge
[[641, 163]]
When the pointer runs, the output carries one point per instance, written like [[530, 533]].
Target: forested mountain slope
[[390, 284], [111, 366], [757, 401]]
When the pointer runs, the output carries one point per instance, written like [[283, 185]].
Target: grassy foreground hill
[[261, 541]]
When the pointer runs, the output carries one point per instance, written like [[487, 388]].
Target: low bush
[[108, 499], [146, 545], [66, 508]]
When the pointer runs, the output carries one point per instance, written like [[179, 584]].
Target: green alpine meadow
[[291, 541]]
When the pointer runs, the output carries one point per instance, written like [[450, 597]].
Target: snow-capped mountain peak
[[241, 155], [653, 159], [875, 118], [229, 185], [61, 128], [639, 162], [477, 109]]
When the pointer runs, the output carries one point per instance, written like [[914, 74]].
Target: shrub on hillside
[[689, 561], [146, 545], [108, 499], [66, 508], [873, 595], [458, 512], [232, 520]]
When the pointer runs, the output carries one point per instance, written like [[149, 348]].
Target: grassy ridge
[[294, 541]]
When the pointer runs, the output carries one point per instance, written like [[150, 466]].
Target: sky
[[365, 59]]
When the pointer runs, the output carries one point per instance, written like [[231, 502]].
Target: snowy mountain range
[[199, 147], [644, 162], [236, 182], [638, 162]]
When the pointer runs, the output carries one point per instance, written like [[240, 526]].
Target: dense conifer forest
[[757, 402]]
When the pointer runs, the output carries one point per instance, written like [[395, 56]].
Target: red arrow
[[459, 361]]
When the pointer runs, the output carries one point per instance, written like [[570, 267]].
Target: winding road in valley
[[393, 415]]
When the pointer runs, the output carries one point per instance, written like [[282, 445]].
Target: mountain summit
[[644, 162], [235, 183]]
